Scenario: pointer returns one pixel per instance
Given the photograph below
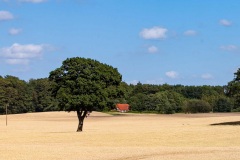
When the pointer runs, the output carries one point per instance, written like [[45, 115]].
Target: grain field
[[52, 136]]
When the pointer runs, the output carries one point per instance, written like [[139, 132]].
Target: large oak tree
[[84, 84]]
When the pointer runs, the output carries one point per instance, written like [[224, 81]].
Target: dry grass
[[52, 136]]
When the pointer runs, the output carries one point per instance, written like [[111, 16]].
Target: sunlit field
[[53, 136]]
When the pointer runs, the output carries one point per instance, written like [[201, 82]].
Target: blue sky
[[188, 42]]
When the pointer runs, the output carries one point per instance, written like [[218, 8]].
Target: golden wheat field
[[52, 136]]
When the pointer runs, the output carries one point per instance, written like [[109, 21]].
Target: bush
[[196, 106], [223, 105], [165, 108], [236, 110], [2, 110]]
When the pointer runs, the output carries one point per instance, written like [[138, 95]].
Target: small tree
[[82, 85]]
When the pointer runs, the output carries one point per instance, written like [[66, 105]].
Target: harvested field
[[52, 136]]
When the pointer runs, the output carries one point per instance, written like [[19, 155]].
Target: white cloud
[[190, 33], [14, 31], [33, 1], [5, 15], [230, 47], [152, 49], [22, 51], [225, 22], [21, 54], [172, 74], [207, 76], [17, 61], [154, 33]]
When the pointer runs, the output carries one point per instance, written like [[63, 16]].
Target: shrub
[[223, 105], [236, 110], [196, 106]]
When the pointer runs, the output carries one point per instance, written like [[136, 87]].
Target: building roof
[[122, 106]]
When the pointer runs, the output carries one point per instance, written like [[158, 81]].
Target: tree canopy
[[84, 84]]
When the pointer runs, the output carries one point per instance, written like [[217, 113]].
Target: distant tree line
[[170, 99], [22, 97], [36, 96]]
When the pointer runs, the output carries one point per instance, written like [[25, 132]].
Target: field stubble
[[52, 136]]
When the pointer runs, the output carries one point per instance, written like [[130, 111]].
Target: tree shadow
[[227, 123]]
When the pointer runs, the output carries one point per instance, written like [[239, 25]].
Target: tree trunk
[[81, 116]]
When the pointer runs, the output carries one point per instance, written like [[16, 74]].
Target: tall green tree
[[83, 84], [233, 89]]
